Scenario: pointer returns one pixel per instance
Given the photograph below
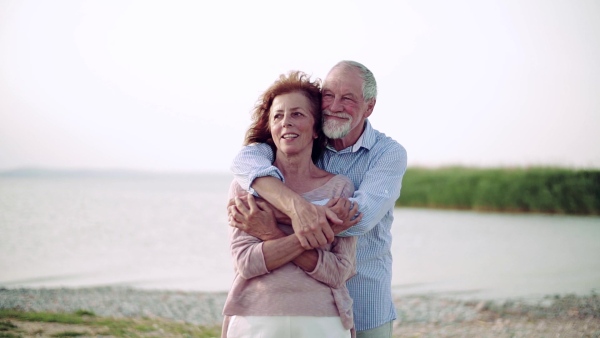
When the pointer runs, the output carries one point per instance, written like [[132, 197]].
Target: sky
[[169, 85]]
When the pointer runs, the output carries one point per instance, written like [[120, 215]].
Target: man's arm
[[257, 219], [251, 222], [332, 268], [251, 162], [253, 170], [379, 189], [310, 222]]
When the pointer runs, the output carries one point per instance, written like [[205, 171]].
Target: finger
[[332, 217], [332, 202], [231, 202], [264, 206], [261, 204], [240, 205], [328, 233], [240, 226], [233, 223], [304, 241], [317, 240], [252, 203], [354, 209], [236, 218], [319, 237], [232, 211], [347, 204], [355, 220]]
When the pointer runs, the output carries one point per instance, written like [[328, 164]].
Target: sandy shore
[[418, 315]]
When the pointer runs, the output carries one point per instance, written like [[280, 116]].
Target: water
[[147, 232], [483, 255], [170, 233]]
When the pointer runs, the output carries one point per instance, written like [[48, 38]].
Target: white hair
[[369, 87]]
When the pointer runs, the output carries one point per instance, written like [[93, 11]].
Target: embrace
[[311, 208]]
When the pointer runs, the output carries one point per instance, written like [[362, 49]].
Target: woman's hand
[[254, 217], [345, 210]]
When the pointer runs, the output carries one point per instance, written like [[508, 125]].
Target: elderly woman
[[280, 289]]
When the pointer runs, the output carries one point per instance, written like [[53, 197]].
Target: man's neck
[[348, 140]]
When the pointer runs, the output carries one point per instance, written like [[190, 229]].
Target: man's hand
[[311, 224], [254, 217], [345, 210]]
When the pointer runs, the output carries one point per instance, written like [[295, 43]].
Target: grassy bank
[[419, 316], [14, 323], [543, 190]]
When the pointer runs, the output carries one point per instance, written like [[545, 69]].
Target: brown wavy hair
[[294, 82]]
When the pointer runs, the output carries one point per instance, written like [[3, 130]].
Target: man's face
[[343, 105]]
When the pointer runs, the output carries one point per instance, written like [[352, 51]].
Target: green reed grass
[[536, 189], [86, 323]]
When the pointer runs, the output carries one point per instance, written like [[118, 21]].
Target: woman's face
[[292, 124]]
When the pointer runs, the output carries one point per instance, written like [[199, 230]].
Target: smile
[[289, 136], [342, 116]]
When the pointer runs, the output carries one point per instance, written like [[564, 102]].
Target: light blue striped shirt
[[375, 164]]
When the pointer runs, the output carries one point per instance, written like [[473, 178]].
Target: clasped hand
[[314, 225]]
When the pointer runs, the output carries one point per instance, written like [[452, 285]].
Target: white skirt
[[286, 327]]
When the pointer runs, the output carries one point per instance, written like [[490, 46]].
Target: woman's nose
[[287, 122]]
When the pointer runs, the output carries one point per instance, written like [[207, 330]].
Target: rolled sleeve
[[254, 161]]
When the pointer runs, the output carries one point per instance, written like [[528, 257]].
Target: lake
[[170, 232]]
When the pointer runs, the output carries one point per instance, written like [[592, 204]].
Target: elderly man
[[374, 162]]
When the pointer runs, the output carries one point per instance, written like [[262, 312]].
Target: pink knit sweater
[[289, 290]]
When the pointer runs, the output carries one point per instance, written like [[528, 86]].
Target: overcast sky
[[169, 85]]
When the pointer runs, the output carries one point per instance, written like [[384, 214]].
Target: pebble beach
[[418, 315]]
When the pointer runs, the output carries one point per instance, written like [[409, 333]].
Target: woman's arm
[[248, 258], [278, 248], [336, 266], [253, 170]]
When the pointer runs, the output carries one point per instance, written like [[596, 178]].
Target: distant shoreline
[[52, 173], [544, 190], [533, 190]]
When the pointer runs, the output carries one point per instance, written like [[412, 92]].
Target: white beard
[[336, 129]]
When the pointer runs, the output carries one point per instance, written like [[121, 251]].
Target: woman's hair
[[294, 82]]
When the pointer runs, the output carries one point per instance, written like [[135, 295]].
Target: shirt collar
[[366, 139]]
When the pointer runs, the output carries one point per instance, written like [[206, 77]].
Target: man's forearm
[[310, 222], [279, 195]]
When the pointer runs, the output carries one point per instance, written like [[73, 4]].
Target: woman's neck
[[299, 171], [293, 166]]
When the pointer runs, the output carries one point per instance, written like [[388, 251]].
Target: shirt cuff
[[272, 171]]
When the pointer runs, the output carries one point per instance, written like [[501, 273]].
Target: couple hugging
[[311, 208]]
